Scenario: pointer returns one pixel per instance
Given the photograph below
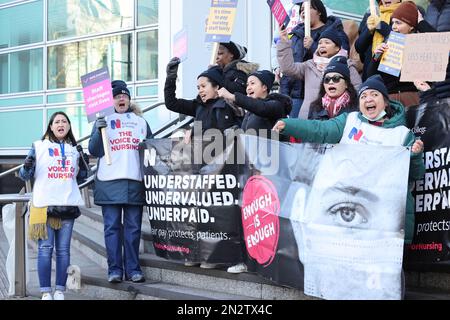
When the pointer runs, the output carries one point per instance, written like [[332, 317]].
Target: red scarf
[[335, 105]]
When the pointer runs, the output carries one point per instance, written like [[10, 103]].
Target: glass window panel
[[14, 122], [68, 62], [78, 120], [21, 71], [20, 25], [71, 18], [147, 12], [22, 101], [147, 90], [147, 55], [65, 97]]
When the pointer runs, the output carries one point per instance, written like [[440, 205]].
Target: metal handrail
[[165, 127]]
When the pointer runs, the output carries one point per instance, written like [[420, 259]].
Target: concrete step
[[90, 241]]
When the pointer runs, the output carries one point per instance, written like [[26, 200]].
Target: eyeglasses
[[335, 79]]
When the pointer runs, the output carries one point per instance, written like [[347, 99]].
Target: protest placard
[[391, 62], [279, 12], [425, 56], [180, 45]]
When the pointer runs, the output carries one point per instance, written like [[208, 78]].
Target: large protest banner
[[430, 249], [319, 218]]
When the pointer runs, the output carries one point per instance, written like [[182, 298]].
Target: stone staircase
[[165, 279]]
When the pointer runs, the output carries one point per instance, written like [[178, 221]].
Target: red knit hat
[[406, 12]]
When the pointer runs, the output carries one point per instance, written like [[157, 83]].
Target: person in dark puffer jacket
[[230, 58]]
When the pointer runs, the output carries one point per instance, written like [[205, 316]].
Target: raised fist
[[172, 67]]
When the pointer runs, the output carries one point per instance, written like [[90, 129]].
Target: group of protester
[[322, 94]]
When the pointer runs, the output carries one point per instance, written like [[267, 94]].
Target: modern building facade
[[46, 45]]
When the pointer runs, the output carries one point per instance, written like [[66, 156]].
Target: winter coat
[[294, 87], [120, 191], [439, 18], [263, 113], [213, 114], [331, 131], [308, 72], [236, 74]]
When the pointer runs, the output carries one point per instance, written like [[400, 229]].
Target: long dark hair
[[316, 105], [319, 6], [50, 135]]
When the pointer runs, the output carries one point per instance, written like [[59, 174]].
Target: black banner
[[431, 243]]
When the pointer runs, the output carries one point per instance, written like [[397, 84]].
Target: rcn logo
[[115, 124], [355, 134], [53, 152]]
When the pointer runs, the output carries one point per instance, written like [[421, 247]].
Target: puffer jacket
[[294, 87], [439, 16], [331, 131], [236, 74], [263, 113], [120, 191], [213, 114]]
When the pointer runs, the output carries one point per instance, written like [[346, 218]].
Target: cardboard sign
[[180, 45], [391, 62], [97, 94], [220, 20], [279, 12], [425, 56]]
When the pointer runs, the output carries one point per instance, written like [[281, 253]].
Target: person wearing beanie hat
[[230, 57], [331, 35], [214, 74], [405, 92], [407, 13], [266, 77], [337, 94], [208, 108], [118, 87], [118, 185], [311, 71]]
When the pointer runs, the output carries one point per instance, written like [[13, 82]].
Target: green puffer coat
[[331, 131]]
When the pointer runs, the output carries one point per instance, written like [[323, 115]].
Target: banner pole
[[106, 147], [307, 18], [373, 8], [214, 53]]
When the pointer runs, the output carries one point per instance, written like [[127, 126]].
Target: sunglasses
[[335, 79]]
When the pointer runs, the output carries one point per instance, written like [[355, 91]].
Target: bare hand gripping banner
[[320, 218]]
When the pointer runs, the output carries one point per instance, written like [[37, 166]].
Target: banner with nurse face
[[324, 219]]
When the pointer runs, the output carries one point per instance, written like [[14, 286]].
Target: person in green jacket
[[376, 112]]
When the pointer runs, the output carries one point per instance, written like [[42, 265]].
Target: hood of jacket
[[242, 65], [284, 99]]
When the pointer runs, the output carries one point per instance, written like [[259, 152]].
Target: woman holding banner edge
[[119, 187]]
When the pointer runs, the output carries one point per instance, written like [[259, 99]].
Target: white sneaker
[[58, 295], [47, 296], [239, 268], [206, 265], [190, 264]]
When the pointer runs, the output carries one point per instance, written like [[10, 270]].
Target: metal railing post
[[19, 254], [87, 199]]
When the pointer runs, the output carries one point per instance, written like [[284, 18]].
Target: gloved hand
[[372, 22], [172, 67], [101, 123], [29, 162]]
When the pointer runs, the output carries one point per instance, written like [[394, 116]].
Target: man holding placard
[[119, 187]]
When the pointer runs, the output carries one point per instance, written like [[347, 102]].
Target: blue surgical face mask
[[380, 116]]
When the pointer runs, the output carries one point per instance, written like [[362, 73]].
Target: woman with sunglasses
[[311, 71], [337, 94]]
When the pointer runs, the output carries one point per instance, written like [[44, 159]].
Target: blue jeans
[[126, 236], [296, 105], [60, 240]]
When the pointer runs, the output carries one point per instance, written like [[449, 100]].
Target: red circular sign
[[260, 221]]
